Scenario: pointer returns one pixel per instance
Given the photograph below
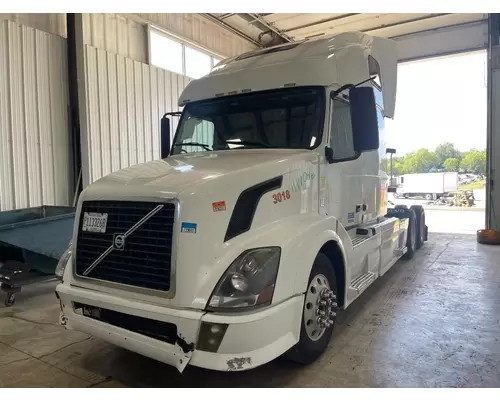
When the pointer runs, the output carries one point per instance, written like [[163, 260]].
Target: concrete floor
[[430, 322]]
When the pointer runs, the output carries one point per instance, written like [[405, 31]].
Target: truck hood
[[169, 177]]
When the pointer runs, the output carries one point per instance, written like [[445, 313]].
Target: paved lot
[[454, 221], [451, 219], [479, 203], [433, 321]]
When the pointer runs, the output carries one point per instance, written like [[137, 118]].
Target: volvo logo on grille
[[118, 241]]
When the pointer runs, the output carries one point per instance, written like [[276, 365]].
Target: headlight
[[63, 261], [249, 280]]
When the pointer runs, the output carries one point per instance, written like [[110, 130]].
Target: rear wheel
[[420, 225], [411, 239], [319, 313]]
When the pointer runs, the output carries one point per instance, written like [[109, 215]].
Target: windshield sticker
[[350, 217], [188, 227], [219, 206]]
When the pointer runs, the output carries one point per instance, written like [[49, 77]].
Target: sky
[[440, 100]]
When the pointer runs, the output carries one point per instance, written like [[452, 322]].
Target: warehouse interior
[[82, 96]]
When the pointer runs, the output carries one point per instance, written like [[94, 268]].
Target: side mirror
[[165, 137], [364, 119]]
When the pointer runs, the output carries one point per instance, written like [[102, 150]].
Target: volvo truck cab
[[266, 215]]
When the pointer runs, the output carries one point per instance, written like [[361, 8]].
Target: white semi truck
[[432, 185], [266, 216]]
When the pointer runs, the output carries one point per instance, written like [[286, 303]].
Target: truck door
[[345, 174], [358, 180]]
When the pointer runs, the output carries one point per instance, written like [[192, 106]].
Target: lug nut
[[334, 305], [332, 314], [322, 303], [320, 313], [330, 321]]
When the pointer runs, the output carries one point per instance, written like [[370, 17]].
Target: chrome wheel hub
[[319, 308]]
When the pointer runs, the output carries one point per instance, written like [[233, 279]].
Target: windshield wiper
[[193, 144], [247, 143]]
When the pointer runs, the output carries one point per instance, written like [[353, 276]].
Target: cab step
[[362, 282], [357, 240], [400, 252]]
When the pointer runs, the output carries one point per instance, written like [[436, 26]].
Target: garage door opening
[[439, 133]]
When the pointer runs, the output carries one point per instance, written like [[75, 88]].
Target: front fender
[[300, 238]]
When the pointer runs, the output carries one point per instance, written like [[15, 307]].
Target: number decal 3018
[[281, 196]]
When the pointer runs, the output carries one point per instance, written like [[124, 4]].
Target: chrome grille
[[144, 261]]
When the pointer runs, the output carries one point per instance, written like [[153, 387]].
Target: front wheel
[[319, 313]]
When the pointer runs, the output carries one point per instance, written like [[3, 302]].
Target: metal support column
[[493, 138], [78, 88]]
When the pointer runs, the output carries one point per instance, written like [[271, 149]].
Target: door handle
[[361, 207]]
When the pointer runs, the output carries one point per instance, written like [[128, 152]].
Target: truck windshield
[[285, 118]]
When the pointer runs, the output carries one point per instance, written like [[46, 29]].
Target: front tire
[[319, 313]]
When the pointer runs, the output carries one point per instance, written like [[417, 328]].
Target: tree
[[451, 164], [421, 161], [446, 150], [397, 167], [474, 161]]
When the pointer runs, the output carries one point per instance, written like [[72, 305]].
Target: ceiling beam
[[231, 29], [264, 26], [408, 21], [321, 21]]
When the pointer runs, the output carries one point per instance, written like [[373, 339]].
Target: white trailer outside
[[429, 185]]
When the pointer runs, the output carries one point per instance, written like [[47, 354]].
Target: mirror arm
[[173, 113], [335, 93]]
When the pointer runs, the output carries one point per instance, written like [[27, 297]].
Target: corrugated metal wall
[[34, 147], [116, 34], [126, 34], [50, 22], [125, 102]]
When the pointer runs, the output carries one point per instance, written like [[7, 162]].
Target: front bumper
[[251, 339]]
